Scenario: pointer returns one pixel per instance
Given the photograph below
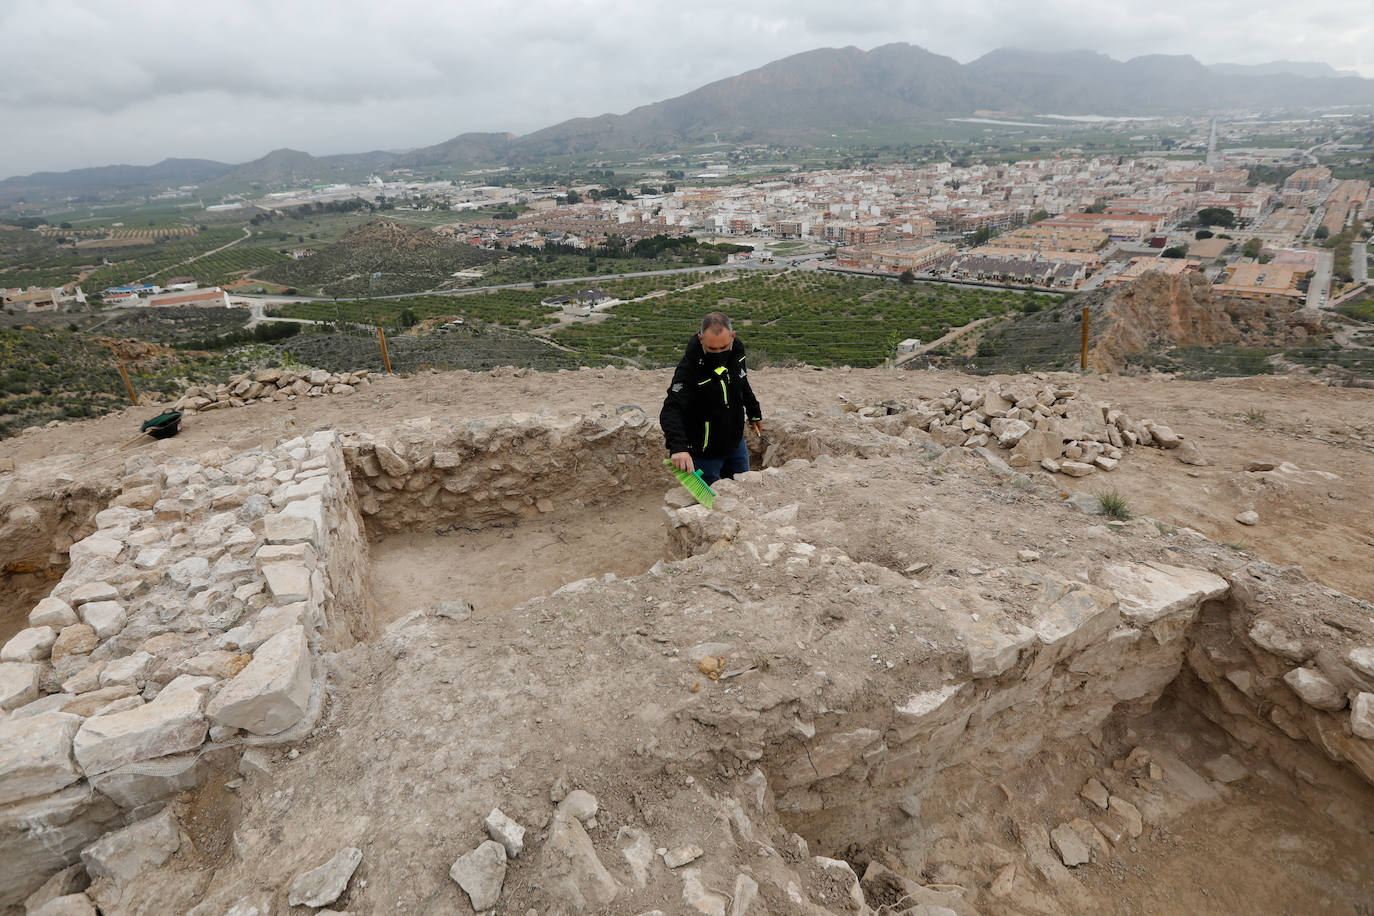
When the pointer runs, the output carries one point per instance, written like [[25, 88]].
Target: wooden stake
[[1083, 356], [128, 385], [386, 359]]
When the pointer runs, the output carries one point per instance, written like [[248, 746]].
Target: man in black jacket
[[708, 403]]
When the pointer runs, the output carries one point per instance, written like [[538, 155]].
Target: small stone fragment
[[1076, 468], [1315, 689], [29, 645], [580, 804], [1095, 792], [68, 905], [1362, 716], [481, 873], [322, 886], [52, 612], [124, 854], [18, 684], [679, 856], [1248, 517], [506, 832], [1071, 848], [1129, 815]]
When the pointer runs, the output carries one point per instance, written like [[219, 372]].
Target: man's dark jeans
[[713, 469]]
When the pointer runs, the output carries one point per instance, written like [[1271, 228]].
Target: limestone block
[[216, 663], [124, 854], [272, 693], [18, 684], [70, 880], [1009, 432], [392, 463], [288, 582], [1069, 616], [273, 620], [119, 517], [1149, 592], [66, 905], [52, 612], [106, 618], [1269, 637], [275, 553], [192, 573], [829, 757], [131, 670], [1076, 468], [151, 557], [481, 873], [94, 591], [1165, 437], [322, 886], [29, 645], [89, 703], [36, 755], [1071, 848], [136, 784], [96, 547], [992, 640], [1315, 689], [312, 509], [572, 874], [506, 832], [1362, 660], [173, 722], [1362, 716]]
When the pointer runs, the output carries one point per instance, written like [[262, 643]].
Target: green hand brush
[[695, 485]]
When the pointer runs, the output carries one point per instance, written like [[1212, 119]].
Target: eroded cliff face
[[1161, 310]]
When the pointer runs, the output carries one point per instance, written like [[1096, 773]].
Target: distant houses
[[585, 300], [41, 299]]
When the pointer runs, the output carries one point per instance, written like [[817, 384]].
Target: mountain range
[[796, 99]]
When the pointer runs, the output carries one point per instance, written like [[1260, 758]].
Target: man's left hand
[[756, 426]]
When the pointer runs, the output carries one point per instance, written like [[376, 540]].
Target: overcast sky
[[96, 82]]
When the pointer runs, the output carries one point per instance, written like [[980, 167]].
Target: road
[[247, 234], [1319, 290], [939, 341]]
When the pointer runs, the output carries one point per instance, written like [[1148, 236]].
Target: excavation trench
[[35, 535]]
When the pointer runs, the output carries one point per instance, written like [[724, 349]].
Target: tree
[[573, 198], [1202, 234], [907, 278], [1216, 216], [408, 318], [1321, 233], [1176, 251], [1038, 215], [1251, 249]]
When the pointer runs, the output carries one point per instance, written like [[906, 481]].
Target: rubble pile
[[193, 614], [1052, 427], [271, 385]]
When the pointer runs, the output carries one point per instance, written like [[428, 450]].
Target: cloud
[[96, 81]]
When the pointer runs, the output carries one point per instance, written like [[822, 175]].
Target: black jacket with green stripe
[[708, 403]]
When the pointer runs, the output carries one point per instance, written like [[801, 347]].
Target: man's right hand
[[683, 462]]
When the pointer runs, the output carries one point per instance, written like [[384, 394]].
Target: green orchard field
[[821, 319]]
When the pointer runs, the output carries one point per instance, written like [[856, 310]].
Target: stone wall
[[1030, 656], [187, 624]]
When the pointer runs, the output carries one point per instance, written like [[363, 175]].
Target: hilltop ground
[[1320, 523]]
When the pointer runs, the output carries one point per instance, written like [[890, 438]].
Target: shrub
[[1113, 505]]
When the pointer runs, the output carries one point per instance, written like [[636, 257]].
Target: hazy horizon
[[104, 83]]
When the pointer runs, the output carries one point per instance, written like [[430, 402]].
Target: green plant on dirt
[[1253, 417], [1114, 505]]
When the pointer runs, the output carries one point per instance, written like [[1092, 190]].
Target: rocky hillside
[[1149, 323]]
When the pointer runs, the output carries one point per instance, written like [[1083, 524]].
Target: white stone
[[1072, 850], [1362, 660], [506, 832], [136, 784], [29, 645], [1009, 432], [273, 620], [638, 849], [679, 856], [151, 557], [698, 898], [106, 618], [96, 547], [580, 804], [919, 705], [1165, 436], [1076, 468], [312, 509], [1315, 689], [322, 886], [1268, 636], [66, 905], [288, 582], [481, 873], [36, 755], [1152, 591], [18, 684], [1248, 517], [129, 670], [173, 722], [1362, 716], [1095, 792], [124, 854], [570, 870], [190, 573], [1129, 815], [94, 591], [52, 612], [273, 692], [1105, 463], [746, 892]]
